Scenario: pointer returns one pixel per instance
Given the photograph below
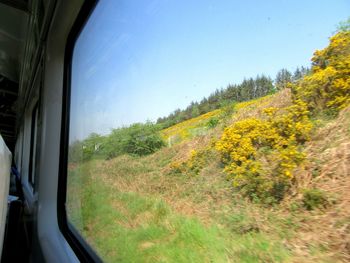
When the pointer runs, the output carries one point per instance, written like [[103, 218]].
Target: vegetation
[[138, 139], [129, 211], [315, 198], [327, 88], [249, 89], [261, 154], [248, 179]]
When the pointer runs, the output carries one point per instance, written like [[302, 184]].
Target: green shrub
[[143, 139], [213, 122], [228, 110], [138, 139], [315, 198], [75, 153], [87, 149]]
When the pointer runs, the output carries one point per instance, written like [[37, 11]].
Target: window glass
[[185, 140], [33, 143]]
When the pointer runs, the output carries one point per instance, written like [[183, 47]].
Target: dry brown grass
[[328, 169], [279, 100]]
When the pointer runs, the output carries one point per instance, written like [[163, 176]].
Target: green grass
[[126, 226]]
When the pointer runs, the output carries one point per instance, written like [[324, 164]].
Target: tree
[[283, 78], [344, 26], [249, 89], [195, 110], [299, 73]]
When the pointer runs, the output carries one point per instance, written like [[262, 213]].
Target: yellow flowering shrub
[[261, 154], [294, 124], [328, 87]]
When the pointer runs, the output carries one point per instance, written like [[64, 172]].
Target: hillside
[[266, 180], [143, 199]]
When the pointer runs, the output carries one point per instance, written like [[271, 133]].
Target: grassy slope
[[133, 210]]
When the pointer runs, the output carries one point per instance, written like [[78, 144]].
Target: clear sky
[[140, 60]]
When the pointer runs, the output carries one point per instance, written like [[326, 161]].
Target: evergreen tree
[[249, 89], [283, 77]]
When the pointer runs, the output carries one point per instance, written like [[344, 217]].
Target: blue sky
[[140, 60]]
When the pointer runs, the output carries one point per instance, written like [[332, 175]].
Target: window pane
[[33, 142], [185, 142]]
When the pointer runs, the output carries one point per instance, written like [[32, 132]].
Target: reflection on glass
[[153, 175]]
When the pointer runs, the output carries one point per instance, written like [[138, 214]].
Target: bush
[[87, 149], [143, 139], [75, 153], [328, 87], [228, 110], [315, 198], [261, 154], [213, 122], [138, 139]]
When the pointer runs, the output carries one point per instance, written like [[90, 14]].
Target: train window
[[33, 143], [19, 150], [27, 150], [161, 95]]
